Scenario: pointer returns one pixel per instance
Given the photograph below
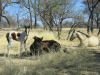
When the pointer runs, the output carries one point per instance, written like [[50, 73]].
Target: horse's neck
[[80, 36], [24, 33], [22, 36]]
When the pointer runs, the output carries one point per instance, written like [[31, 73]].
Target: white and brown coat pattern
[[17, 36]]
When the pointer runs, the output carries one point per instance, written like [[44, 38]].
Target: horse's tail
[[7, 37]]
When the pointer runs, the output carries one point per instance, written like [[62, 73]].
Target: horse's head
[[27, 29], [72, 33], [37, 42], [38, 39]]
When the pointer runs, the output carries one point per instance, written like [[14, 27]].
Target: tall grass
[[75, 61]]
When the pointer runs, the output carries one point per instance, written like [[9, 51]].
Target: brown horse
[[39, 45]]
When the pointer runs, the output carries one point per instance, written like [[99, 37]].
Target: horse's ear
[[41, 38], [34, 37]]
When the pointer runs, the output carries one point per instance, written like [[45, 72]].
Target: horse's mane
[[84, 33]]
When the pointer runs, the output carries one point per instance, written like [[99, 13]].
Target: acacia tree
[[92, 6], [44, 12], [97, 16], [26, 4], [3, 5], [31, 5], [53, 13], [34, 4]]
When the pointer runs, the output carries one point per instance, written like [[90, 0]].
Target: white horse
[[17, 36], [85, 39]]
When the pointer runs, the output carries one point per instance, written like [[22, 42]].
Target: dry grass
[[76, 61], [39, 32]]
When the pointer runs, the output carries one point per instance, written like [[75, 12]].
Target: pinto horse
[[17, 36], [39, 45]]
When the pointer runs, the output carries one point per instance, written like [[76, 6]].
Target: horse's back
[[93, 41]]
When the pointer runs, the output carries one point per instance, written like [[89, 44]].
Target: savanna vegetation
[[52, 20], [70, 60]]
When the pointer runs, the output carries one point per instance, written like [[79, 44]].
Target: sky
[[15, 8], [79, 5], [12, 9]]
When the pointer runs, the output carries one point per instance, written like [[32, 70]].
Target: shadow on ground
[[23, 55]]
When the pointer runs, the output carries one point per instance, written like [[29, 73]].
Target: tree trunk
[[0, 10], [6, 19], [91, 7], [35, 24], [97, 22], [18, 21], [30, 14]]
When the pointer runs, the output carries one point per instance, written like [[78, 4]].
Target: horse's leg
[[48, 49], [35, 52], [38, 52], [8, 47], [25, 46], [21, 48], [7, 51]]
